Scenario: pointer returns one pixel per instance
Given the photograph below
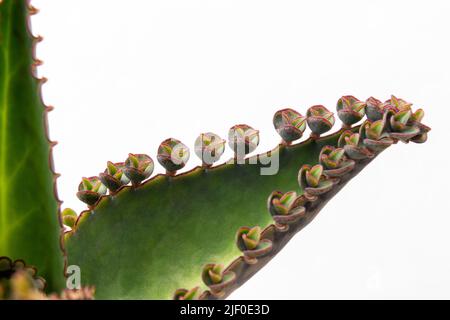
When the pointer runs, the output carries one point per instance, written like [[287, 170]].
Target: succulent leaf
[[209, 147], [310, 177], [137, 168], [374, 109], [150, 210], [90, 190], [331, 158], [399, 104], [215, 273], [173, 155], [289, 124], [252, 238], [135, 223], [178, 204], [418, 115], [29, 208], [113, 177], [243, 140], [69, 217], [374, 129], [319, 119], [183, 294], [350, 110]]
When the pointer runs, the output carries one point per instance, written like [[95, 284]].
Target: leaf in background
[[29, 223]]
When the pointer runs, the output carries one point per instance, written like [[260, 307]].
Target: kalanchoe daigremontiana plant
[[334, 162], [69, 217], [353, 144], [173, 155], [90, 190], [285, 208], [243, 140], [401, 126], [19, 281], [289, 124], [168, 229], [313, 182], [113, 177], [320, 120], [184, 294], [376, 137], [350, 110], [399, 104], [209, 147], [250, 243], [7, 270], [217, 279], [137, 168], [375, 109], [405, 125]]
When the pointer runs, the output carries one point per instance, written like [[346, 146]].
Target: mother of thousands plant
[[192, 235]]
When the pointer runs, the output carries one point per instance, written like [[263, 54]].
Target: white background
[[125, 75]]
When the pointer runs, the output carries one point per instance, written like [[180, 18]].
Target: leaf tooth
[[49, 108], [32, 10]]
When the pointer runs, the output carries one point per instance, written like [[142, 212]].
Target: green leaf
[[418, 115], [112, 169], [254, 234], [168, 229], [288, 198], [375, 129], [190, 295], [87, 185], [69, 217], [316, 171], [337, 154], [403, 116], [133, 160], [29, 223]]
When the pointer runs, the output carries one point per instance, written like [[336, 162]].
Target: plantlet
[[193, 235], [320, 120]]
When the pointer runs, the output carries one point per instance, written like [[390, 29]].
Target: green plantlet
[[217, 279], [250, 237], [285, 208], [289, 124], [243, 140], [69, 217], [313, 182], [151, 237], [251, 245], [350, 110], [209, 147], [334, 162], [138, 167], [184, 294], [320, 120], [354, 146], [418, 115], [375, 109], [399, 104], [173, 155], [113, 177], [90, 190], [377, 139]]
